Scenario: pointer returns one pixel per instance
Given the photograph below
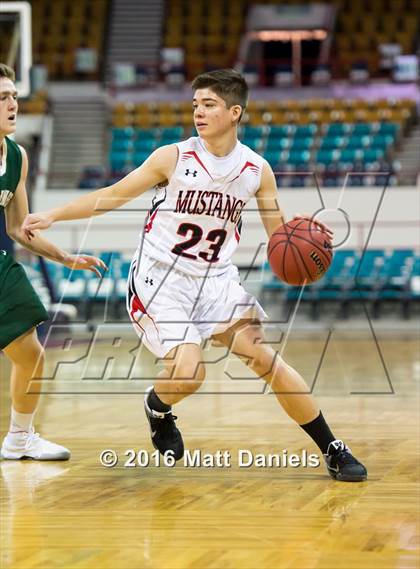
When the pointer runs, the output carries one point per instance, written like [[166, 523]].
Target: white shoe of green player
[[30, 445]]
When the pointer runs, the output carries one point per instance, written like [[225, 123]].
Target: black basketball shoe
[[342, 465], [164, 433]]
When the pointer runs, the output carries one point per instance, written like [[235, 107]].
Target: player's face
[[8, 106], [211, 115]]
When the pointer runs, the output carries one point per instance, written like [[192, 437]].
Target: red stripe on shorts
[[136, 305]]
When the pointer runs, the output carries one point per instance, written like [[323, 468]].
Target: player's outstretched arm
[[157, 169], [270, 211], [15, 213]]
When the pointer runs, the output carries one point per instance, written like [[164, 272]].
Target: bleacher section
[[330, 137], [363, 26], [59, 28], [374, 276], [210, 32]]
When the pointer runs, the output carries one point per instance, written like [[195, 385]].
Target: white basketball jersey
[[195, 221]]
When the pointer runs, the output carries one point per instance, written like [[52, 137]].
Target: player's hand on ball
[[34, 221], [85, 263], [313, 220]]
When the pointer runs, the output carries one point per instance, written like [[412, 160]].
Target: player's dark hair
[[228, 84], [6, 72]]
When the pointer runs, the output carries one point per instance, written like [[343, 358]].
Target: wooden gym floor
[[80, 514]]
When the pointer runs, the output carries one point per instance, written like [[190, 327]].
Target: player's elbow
[[13, 232], [17, 235]]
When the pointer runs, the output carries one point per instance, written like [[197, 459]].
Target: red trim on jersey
[[149, 224], [193, 154], [152, 213], [249, 165]]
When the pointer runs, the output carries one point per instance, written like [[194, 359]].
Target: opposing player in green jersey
[[20, 308]]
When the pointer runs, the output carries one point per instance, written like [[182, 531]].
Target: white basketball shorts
[[168, 307]]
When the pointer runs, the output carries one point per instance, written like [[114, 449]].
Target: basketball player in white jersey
[[183, 287]]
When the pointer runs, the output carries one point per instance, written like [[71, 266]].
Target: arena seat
[[104, 290], [338, 129], [70, 286], [276, 145], [144, 145], [412, 292], [121, 281]]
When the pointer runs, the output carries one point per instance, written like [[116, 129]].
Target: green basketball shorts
[[20, 307]]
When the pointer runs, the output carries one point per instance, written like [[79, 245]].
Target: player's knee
[[264, 362], [191, 371], [34, 359], [188, 377], [35, 355]]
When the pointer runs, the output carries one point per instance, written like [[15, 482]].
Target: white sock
[[20, 421]]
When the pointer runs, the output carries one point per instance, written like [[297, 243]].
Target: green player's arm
[[17, 210], [269, 209], [157, 169]]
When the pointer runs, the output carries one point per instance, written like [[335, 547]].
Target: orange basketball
[[299, 252]]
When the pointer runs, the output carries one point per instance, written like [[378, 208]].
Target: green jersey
[[20, 306], [10, 172]]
